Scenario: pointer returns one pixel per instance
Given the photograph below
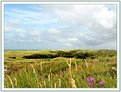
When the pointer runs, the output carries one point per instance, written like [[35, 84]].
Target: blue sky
[[36, 26]]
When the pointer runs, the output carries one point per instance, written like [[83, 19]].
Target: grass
[[61, 71]]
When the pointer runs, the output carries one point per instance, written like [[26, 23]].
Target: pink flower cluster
[[92, 82]]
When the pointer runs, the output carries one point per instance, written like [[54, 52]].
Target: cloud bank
[[60, 27]]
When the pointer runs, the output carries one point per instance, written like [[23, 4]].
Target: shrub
[[38, 56], [83, 55], [59, 53]]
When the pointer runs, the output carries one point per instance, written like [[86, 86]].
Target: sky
[[39, 26]]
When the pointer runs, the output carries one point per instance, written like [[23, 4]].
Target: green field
[[60, 68]]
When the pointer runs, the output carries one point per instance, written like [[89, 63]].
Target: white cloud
[[11, 24], [73, 39], [98, 18], [54, 31], [106, 18], [88, 26]]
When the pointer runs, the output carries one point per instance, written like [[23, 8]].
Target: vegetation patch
[[61, 69]]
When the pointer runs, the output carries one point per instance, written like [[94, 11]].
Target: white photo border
[[61, 3]]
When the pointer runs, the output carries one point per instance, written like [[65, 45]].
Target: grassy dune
[[60, 69]]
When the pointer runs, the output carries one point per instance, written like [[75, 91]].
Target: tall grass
[[60, 72]]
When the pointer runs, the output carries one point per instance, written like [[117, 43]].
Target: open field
[[60, 69]]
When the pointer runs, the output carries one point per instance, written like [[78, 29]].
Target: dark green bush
[[82, 54], [38, 56]]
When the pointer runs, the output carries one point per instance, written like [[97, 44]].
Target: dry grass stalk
[[86, 63], [50, 70], [40, 85], [69, 65], [72, 81], [44, 84], [114, 68], [33, 68], [76, 66], [49, 77], [34, 71], [6, 83], [15, 81], [41, 66], [70, 69], [11, 82], [59, 82], [55, 85]]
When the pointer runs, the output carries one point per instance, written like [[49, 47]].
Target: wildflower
[[102, 83], [91, 82]]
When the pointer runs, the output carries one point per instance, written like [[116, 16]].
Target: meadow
[[60, 69]]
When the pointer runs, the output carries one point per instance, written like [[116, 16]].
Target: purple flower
[[90, 80], [102, 83]]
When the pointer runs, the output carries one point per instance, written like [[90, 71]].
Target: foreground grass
[[59, 72]]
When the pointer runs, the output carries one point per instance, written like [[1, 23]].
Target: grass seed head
[[72, 81]]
